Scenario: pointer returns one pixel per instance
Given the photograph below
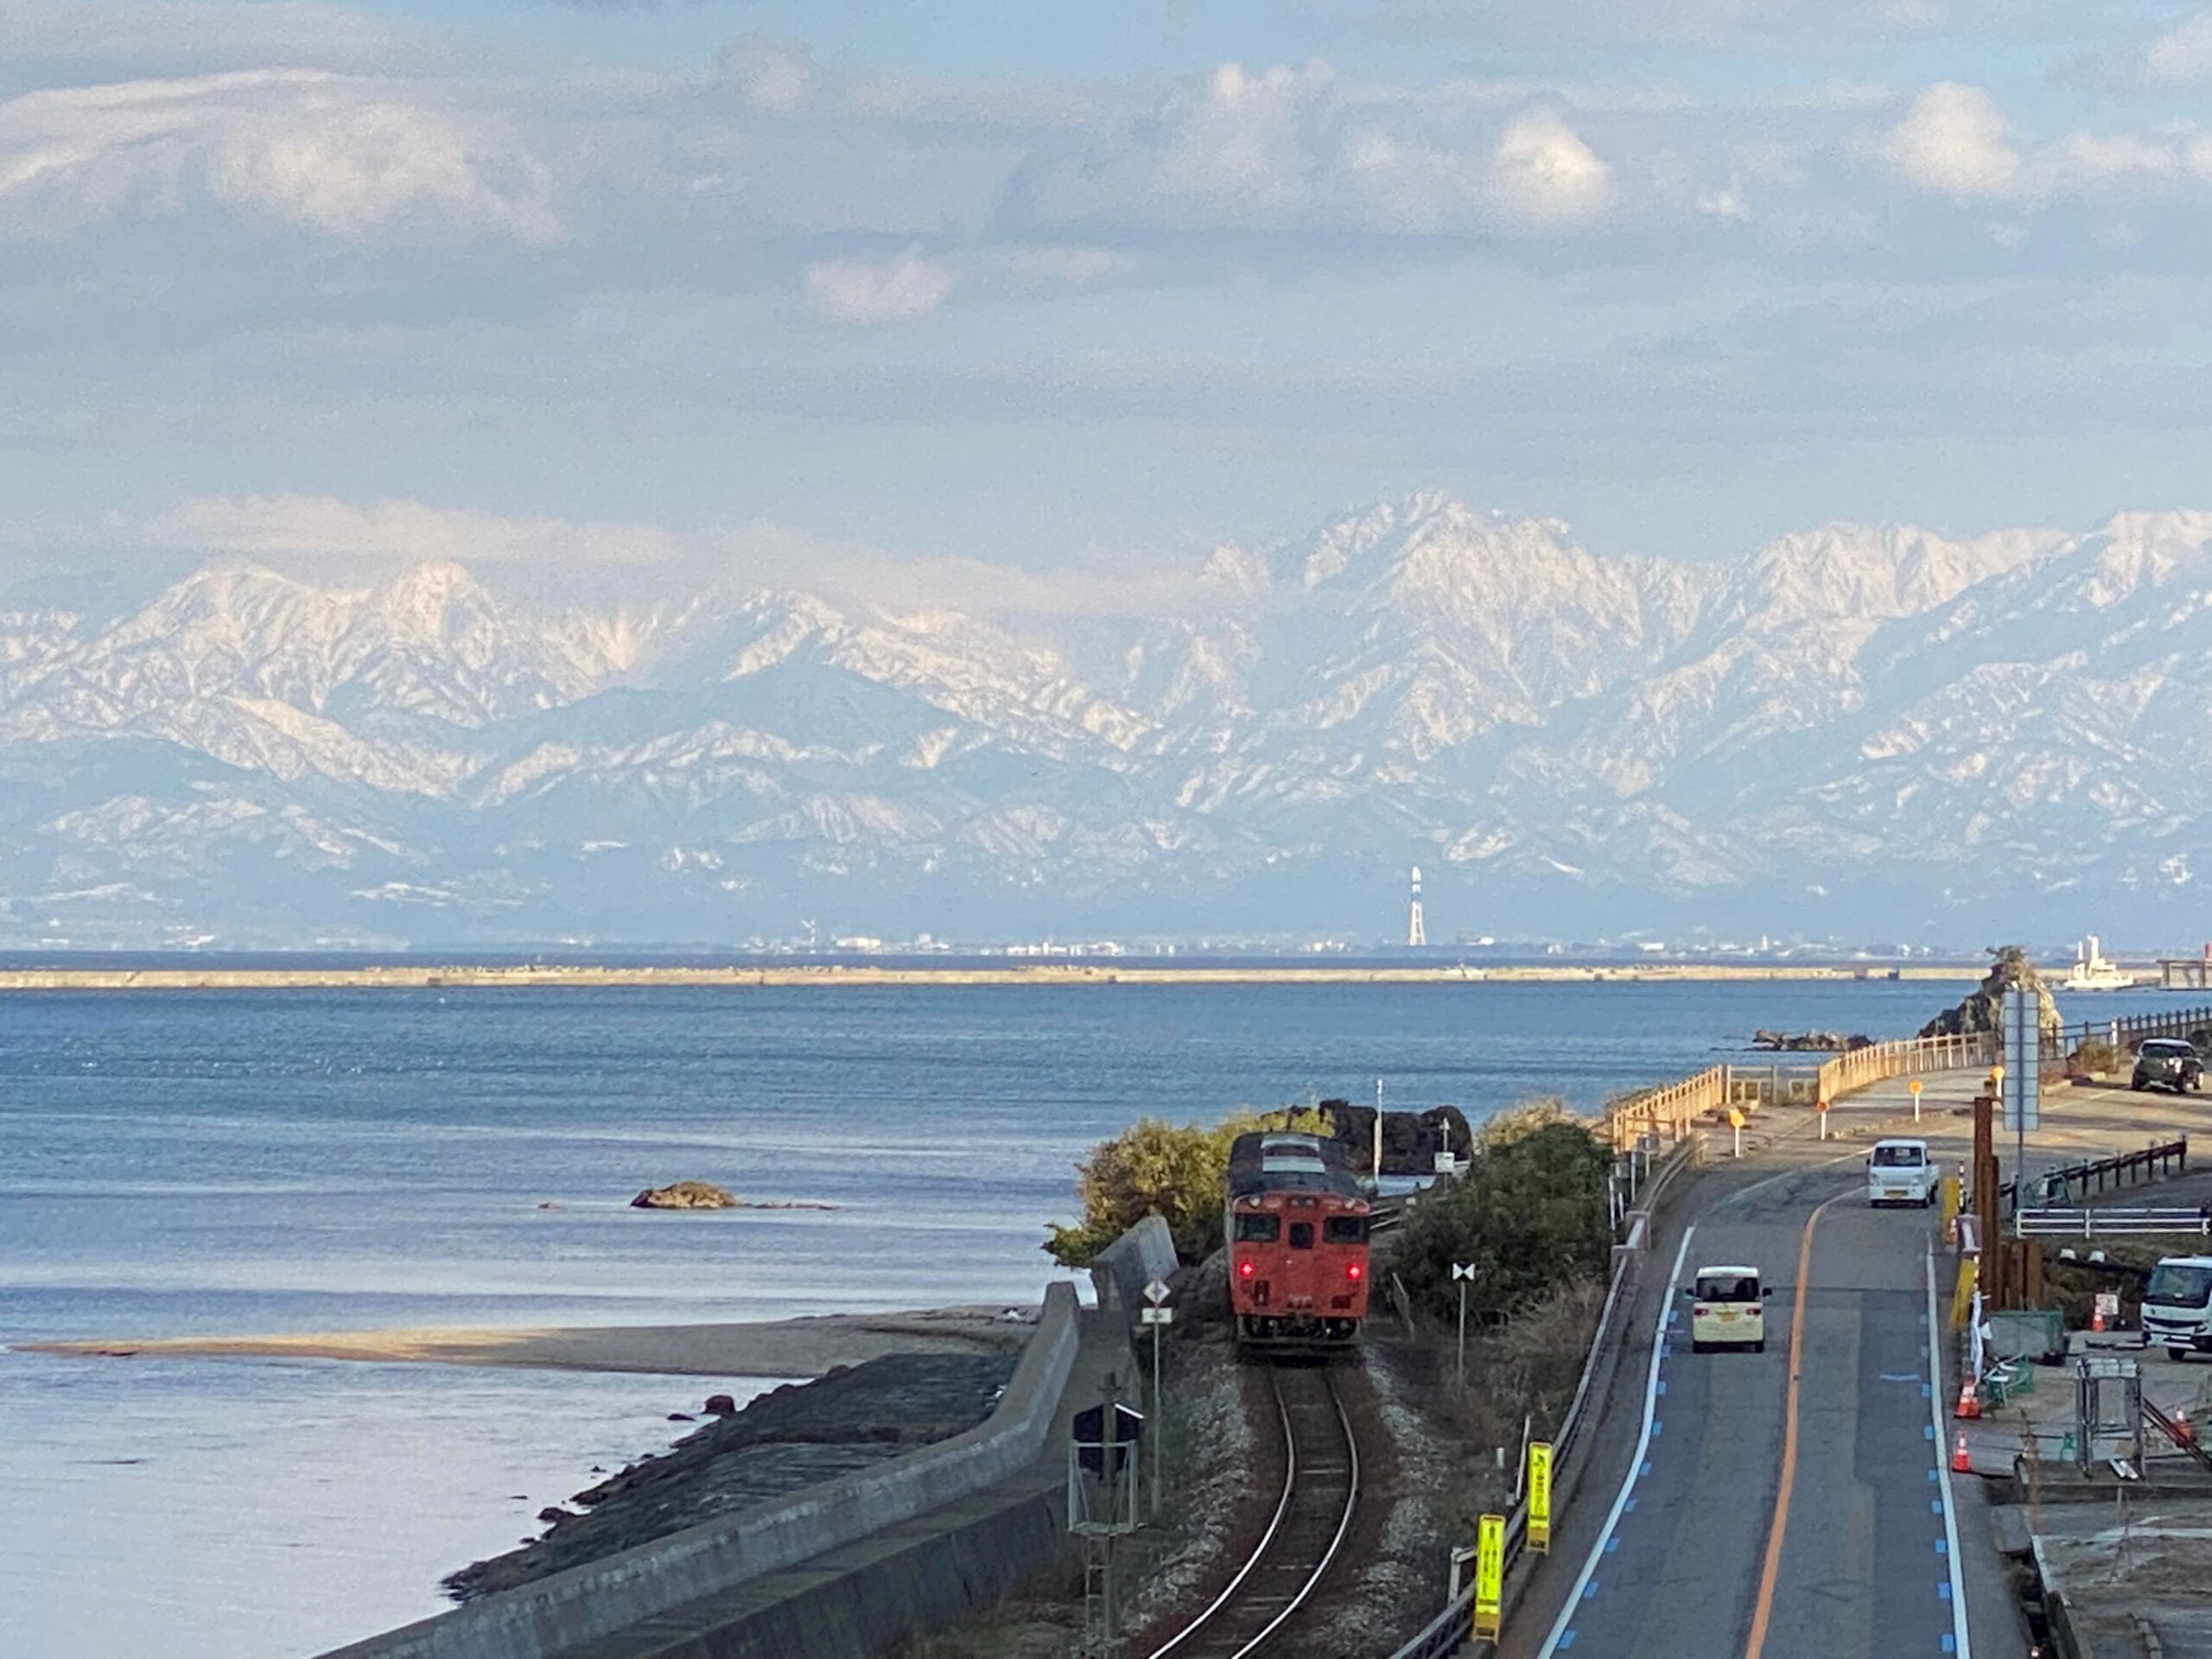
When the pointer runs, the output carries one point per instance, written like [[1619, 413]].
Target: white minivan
[[1727, 1309], [1901, 1172], [2177, 1305]]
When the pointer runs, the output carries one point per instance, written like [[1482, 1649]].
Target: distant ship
[[2091, 972]]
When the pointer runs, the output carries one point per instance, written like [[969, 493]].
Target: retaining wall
[[1123, 1269], [558, 1614]]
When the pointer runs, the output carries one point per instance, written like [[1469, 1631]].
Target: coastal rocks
[[1810, 1042], [1983, 1010], [705, 1195], [720, 1405], [1410, 1140], [684, 1195], [793, 1437]]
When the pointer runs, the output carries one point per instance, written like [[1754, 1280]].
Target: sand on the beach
[[785, 1348]]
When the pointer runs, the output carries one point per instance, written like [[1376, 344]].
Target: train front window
[[1345, 1230], [1301, 1234], [1258, 1229]]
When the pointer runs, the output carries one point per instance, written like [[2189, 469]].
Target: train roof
[[1276, 1160]]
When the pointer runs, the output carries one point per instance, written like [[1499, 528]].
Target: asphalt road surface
[[1736, 1533]]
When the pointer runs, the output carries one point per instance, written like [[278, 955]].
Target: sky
[[1072, 286]]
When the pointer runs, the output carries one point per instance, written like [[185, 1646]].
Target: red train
[[1297, 1226]]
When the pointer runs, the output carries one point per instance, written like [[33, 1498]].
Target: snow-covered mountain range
[[1864, 732]]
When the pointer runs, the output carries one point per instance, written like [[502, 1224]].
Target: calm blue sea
[[240, 1162]]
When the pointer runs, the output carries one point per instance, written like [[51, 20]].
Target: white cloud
[[1546, 175], [2181, 57], [1957, 142], [879, 291], [328, 152], [1241, 139], [323, 533], [324, 527], [776, 77]]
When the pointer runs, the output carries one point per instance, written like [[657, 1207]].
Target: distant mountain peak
[[1564, 738]]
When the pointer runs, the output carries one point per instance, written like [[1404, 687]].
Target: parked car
[[2168, 1062], [1727, 1310]]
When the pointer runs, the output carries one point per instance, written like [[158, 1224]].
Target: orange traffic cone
[[1961, 1463], [2096, 1317], [1970, 1401], [2183, 1433]]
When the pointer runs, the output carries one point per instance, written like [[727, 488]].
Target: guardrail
[[2086, 1223], [1668, 1112], [1448, 1631], [2156, 1162], [1903, 1057]]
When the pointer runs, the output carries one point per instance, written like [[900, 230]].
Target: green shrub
[[2097, 1055], [1155, 1167], [1530, 1214]]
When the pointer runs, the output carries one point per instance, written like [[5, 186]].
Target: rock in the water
[[720, 1405], [684, 1195], [1810, 1042], [1983, 1008], [681, 1417]]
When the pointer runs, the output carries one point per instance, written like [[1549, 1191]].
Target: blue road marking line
[[1629, 1508], [1943, 1589], [1950, 1642], [1644, 1469], [1941, 1548], [1925, 1392], [1934, 1504], [1566, 1640], [1663, 1390], [1612, 1544], [1590, 1590], [1656, 1424], [1934, 1475], [1928, 1431]]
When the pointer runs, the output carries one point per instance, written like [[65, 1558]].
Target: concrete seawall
[[562, 1613], [1123, 1269]]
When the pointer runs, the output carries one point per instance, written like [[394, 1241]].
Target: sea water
[[238, 1162]]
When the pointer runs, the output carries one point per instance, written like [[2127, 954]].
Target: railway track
[[1320, 1493]]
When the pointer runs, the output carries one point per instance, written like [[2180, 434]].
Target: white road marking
[[1637, 1464], [1950, 1545], [1856, 1153]]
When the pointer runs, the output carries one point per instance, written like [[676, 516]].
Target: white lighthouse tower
[[1415, 933]]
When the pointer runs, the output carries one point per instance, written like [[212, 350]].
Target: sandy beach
[[783, 1348]]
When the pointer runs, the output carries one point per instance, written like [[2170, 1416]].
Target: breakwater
[[537, 975]]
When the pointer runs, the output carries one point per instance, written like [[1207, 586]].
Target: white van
[[2177, 1305], [1727, 1310], [1901, 1172]]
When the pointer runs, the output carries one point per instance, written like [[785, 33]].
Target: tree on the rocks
[[1983, 1008]]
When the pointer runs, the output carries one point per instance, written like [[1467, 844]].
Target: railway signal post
[[1157, 1314], [1462, 1272]]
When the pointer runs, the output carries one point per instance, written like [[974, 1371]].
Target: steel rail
[[1198, 1627]]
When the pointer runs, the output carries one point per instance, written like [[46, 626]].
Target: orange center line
[[1770, 1569]]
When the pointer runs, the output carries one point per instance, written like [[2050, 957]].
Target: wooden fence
[[1668, 1113], [1907, 1057]]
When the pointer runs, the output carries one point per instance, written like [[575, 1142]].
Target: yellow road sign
[[1540, 1496], [1490, 1575]]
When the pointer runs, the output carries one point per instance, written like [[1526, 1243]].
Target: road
[[1704, 1527], [1735, 1534]]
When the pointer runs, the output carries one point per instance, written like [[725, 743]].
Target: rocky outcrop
[[1983, 1010], [684, 1195], [1810, 1042], [1410, 1140]]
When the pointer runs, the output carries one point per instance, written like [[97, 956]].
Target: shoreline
[[804, 1347], [482, 976]]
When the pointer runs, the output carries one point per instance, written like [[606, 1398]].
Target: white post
[[1158, 1420], [1463, 1338], [1739, 1132]]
